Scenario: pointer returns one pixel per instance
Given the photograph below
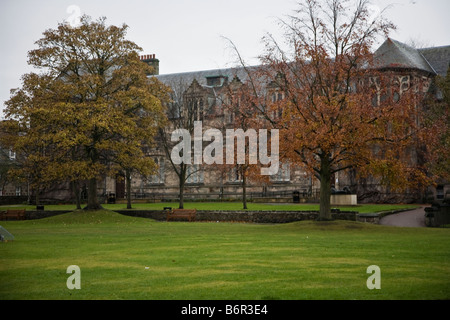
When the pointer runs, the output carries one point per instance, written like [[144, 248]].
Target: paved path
[[412, 218]]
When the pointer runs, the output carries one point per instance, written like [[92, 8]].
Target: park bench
[[181, 213], [12, 214]]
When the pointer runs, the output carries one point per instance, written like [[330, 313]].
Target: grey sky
[[186, 35]]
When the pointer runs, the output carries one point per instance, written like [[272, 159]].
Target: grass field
[[122, 257]]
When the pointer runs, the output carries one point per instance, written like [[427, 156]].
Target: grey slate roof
[[186, 78], [391, 54], [395, 54], [438, 57]]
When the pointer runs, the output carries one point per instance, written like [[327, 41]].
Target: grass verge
[[123, 257]]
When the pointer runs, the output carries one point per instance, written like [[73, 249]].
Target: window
[[12, 155], [396, 97], [405, 83], [234, 175], [283, 174], [216, 81], [425, 84], [440, 192], [158, 177], [194, 174], [18, 191], [375, 100], [175, 110], [229, 117], [195, 106], [277, 96]]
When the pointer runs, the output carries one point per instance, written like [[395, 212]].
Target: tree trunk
[[128, 186], [182, 181], [325, 189], [76, 191], [244, 190], [93, 203], [181, 204], [28, 189], [37, 196]]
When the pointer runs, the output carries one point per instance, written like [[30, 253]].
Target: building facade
[[206, 91], [203, 94]]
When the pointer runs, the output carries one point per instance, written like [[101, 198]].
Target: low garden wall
[[245, 216], [437, 215], [234, 216], [40, 214]]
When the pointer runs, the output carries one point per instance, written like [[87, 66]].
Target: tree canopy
[[89, 112], [338, 111]]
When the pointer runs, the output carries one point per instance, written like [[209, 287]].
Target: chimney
[[151, 60]]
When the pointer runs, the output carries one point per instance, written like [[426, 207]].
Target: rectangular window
[[229, 116], [194, 174], [283, 174], [440, 192], [195, 105], [234, 175], [158, 177]]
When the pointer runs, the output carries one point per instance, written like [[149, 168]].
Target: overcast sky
[[186, 35]]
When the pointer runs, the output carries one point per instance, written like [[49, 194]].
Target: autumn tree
[[242, 124], [7, 162], [91, 109], [183, 110], [338, 111], [180, 117], [437, 120], [29, 138]]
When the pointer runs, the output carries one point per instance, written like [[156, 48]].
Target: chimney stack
[[151, 60]]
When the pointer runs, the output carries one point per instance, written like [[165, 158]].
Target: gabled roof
[[438, 57], [391, 54], [394, 54]]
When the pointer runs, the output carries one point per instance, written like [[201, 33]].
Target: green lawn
[[124, 257], [364, 208]]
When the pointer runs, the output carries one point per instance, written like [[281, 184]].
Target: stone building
[[408, 67], [204, 94]]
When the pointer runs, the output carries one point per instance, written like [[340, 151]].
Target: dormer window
[[216, 81]]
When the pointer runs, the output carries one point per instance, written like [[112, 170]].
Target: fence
[[286, 195]]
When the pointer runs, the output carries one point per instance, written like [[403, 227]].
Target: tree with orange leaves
[[239, 104], [339, 111]]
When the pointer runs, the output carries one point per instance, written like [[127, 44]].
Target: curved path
[[412, 218]]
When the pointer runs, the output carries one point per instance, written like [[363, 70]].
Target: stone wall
[[244, 216], [233, 216], [40, 214], [437, 215]]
